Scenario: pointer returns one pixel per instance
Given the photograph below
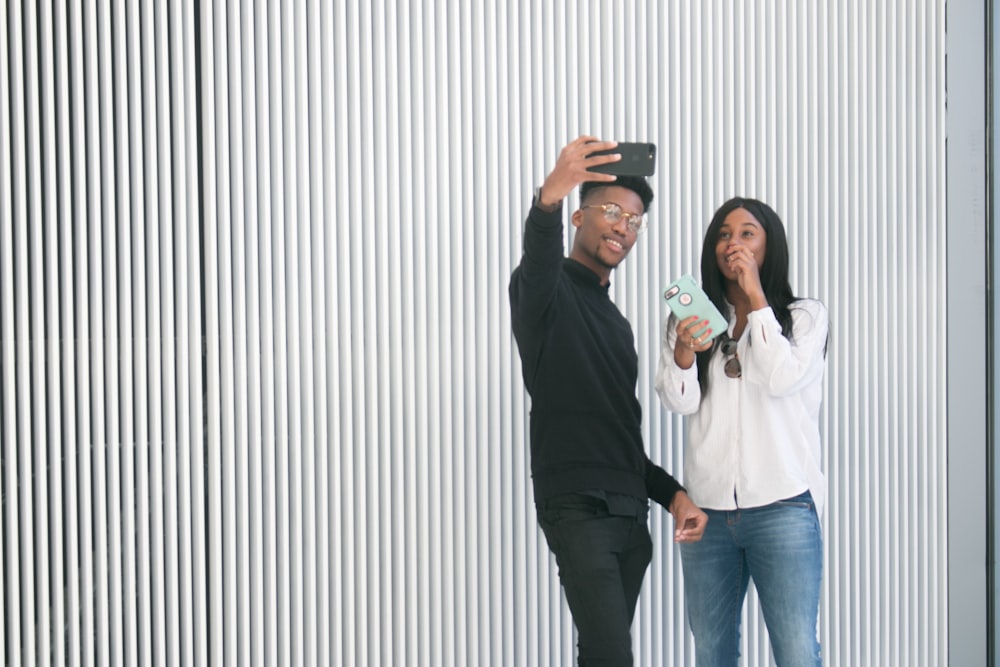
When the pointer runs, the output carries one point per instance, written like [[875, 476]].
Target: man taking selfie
[[591, 476]]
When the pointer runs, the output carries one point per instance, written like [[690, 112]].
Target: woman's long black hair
[[773, 274]]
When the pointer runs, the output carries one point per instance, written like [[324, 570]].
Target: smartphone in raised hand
[[638, 159]]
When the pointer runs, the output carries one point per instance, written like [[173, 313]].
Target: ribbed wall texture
[[261, 403]]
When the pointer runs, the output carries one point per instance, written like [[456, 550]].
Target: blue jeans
[[780, 547], [602, 559]]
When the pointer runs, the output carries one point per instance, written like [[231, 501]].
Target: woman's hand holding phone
[[693, 335], [699, 321]]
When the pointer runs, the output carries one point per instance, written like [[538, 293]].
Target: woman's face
[[740, 235]]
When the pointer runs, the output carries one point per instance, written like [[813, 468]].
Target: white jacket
[[753, 440]]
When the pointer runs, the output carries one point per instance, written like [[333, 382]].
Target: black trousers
[[602, 560]]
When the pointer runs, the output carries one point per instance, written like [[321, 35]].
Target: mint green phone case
[[686, 298]]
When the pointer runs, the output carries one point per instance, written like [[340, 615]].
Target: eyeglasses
[[733, 367], [613, 213]]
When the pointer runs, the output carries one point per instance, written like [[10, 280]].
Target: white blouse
[[753, 440]]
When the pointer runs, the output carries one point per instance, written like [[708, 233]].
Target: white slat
[[53, 137], [128, 142], [220, 636], [32, 469], [219, 244], [18, 457], [10, 612], [242, 444]]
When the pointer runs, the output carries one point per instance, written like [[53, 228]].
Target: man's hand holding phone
[[573, 167], [587, 158]]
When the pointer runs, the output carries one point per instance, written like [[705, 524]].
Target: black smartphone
[[638, 159]]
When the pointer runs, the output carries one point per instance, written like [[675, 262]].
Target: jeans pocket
[[803, 500]]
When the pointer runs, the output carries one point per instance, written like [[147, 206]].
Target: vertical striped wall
[[260, 400]]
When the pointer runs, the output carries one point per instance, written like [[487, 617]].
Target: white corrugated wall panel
[[11, 608], [261, 403]]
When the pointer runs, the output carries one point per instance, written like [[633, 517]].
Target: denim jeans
[[602, 559], [780, 547]]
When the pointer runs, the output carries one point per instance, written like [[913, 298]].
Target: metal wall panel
[[261, 403]]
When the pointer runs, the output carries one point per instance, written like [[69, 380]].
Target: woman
[[753, 455]]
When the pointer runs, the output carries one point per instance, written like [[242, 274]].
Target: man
[[591, 476]]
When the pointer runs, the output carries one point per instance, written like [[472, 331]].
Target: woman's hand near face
[[742, 261]]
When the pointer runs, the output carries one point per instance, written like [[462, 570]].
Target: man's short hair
[[636, 184]]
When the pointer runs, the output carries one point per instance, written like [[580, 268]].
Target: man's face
[[601, 244]]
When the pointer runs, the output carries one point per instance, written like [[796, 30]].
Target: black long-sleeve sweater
[[580, 367]]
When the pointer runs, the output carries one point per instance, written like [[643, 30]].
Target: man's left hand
[[689, 520]]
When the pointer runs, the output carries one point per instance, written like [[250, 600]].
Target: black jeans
[[602, 560]]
